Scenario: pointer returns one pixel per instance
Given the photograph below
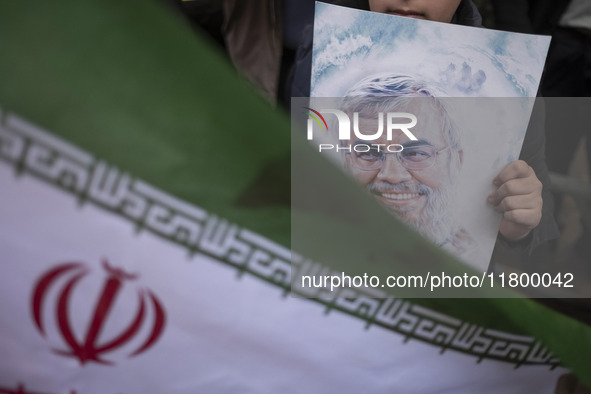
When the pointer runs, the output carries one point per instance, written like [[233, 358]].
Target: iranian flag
[[145, 232]]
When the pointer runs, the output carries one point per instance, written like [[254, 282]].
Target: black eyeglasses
[[412, 158]]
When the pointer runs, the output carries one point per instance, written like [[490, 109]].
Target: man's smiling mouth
[[400, 196]]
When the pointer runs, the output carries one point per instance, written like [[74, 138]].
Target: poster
[[471, 92]]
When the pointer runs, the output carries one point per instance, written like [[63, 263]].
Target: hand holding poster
[[470, 92]]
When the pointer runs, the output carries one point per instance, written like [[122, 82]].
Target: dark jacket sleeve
[[303, 65], [533, 153], [512, 15]]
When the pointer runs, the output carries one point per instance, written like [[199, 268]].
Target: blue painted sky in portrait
[[463, 61]]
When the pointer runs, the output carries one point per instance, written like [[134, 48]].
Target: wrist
[[515, 242]]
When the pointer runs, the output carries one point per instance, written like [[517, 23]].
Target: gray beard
[[437, 220]]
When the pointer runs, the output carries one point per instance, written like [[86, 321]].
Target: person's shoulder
[[467, 14]]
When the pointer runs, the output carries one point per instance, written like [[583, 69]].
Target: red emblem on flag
[[88, 349]]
